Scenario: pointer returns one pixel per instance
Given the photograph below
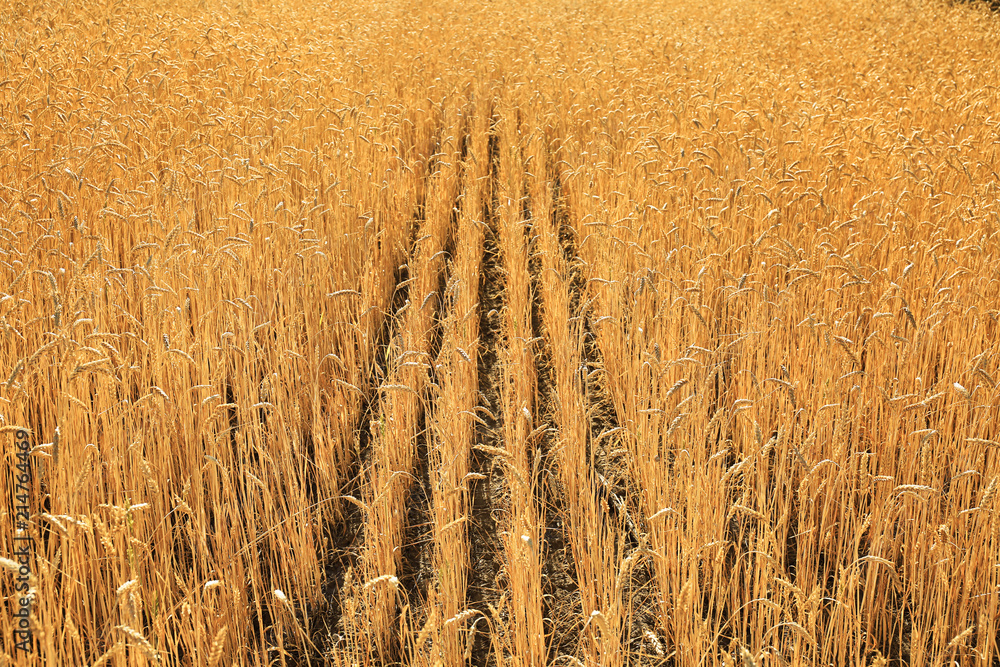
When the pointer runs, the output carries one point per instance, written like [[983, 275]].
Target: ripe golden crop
[[497, 333]]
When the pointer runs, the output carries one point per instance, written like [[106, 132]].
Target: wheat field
[[492, 333]]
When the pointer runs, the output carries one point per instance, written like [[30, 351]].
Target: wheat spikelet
[[105, 657], [143, 644], [57, 523], [13, 376], [988, 495], [748, 660], [218, 643], [95, 257], [149, 475], [183, 506], [124, 588], [960, 636], [462, 616], [388, 578], [495, 451]]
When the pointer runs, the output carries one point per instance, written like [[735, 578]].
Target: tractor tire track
[[563, 604], [617, 492], [486, 483], [346, 535]]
